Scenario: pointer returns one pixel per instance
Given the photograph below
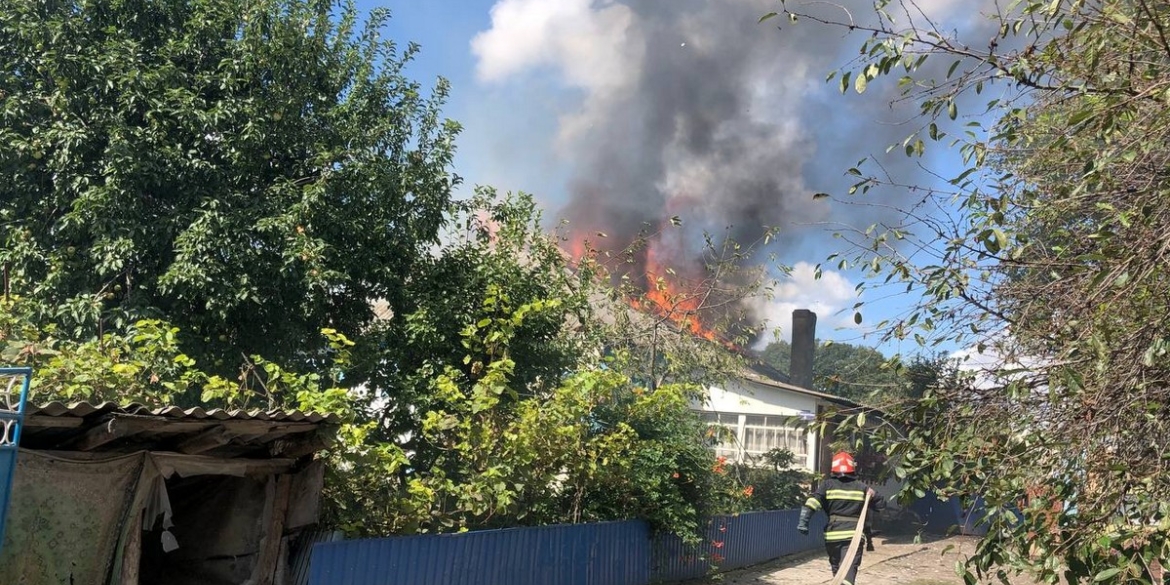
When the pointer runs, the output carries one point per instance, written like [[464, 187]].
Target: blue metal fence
[[734, 542], [13, 397], [611, 553], [950, 516]]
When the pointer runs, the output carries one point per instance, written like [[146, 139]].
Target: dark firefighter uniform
[[841, 498]]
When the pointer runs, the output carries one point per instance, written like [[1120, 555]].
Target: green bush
[[772, 483]]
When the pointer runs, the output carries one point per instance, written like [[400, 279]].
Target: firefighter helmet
[[844, 464]]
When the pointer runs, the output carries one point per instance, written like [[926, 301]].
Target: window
[[725, 430], [747, 436], [764, 433]]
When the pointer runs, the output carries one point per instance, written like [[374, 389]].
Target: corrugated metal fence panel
[[302, 550], [610, 553], [733, 542], [975, 518], [937, 516], [950, 517]]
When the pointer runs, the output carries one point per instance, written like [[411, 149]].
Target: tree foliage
[[243, 204], [862, 374], [842, 369], [248, 171], [1047, 259], [488, 402], [495, 262], [509, 422], [774, 482]]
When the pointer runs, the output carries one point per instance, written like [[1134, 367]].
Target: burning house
[[760, 407]]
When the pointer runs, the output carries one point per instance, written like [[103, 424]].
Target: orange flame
[[667, 295], [575, 248]]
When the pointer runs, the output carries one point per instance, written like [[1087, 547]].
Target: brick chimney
[[804, 333]]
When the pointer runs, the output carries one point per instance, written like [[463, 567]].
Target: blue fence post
[[12, 407]]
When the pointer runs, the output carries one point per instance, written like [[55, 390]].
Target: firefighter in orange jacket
[[841, 496]]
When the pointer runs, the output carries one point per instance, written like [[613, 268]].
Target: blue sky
[[613, 111], [489, 154]]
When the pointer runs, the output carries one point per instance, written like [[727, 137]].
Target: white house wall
[[748, 398]]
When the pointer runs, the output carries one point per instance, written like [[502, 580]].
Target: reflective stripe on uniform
[[856, 495], [839, 535], [813, 503]]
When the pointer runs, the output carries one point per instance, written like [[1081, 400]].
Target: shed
[[113, 494]]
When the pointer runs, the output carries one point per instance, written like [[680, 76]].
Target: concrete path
[[897, 560]]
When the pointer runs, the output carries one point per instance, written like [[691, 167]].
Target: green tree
[[489, 401], [862, 374], [196, 187], [250, 171], [1047, 258], [495, 261], [493, 439]]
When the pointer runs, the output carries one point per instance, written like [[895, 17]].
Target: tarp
[[66, 519]]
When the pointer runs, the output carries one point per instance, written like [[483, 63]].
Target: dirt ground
[[897, 560]]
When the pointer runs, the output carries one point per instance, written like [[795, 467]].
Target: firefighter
[[841, 496]]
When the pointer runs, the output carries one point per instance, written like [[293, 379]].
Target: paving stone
[[897, 560]]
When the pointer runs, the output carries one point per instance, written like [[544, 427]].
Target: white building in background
[[762, 412]]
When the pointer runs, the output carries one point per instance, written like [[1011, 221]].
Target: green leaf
[[1106, 574], [767, 17], [951, 70]]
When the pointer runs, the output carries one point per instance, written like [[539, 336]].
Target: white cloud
[[826, 296], [594, 45], [590, 43], [997, 362]]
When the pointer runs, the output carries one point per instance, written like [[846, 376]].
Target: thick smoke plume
[[694, 109]]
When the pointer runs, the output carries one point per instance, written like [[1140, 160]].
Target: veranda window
[[752, 435]]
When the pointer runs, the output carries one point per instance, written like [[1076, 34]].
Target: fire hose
[[847, 560]]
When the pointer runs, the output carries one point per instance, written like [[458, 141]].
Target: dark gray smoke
[[720, 120], [728, 125], [700, 134]]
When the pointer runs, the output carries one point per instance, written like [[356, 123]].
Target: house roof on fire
[[113, 428]]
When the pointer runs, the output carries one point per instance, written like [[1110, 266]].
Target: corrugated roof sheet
[[85, 409], [760, 379], [120, 428]]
